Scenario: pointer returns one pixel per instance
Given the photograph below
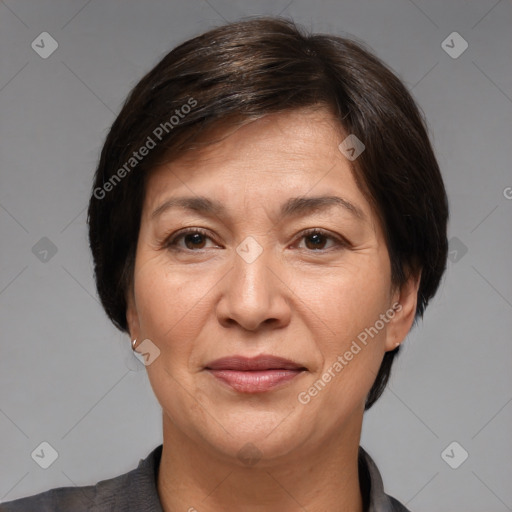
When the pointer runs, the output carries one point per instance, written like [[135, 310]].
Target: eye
[[317, 238], [193, 239], [196, 239]]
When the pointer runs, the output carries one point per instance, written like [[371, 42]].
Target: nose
[[255, 294]]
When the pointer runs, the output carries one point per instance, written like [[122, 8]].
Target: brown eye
[[316, 240], [193, 239]]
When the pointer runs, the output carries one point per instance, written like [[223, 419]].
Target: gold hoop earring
[[134, 343]]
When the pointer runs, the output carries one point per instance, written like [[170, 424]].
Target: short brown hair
[[247, 69]]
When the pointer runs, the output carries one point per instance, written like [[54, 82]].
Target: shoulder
[[58, 499], [99, 497], [120, 493]]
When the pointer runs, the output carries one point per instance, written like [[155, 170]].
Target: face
[[267, 270]]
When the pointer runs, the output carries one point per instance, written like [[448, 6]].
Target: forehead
[[293, 153]]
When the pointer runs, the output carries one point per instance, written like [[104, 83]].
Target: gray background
[[68, 377]]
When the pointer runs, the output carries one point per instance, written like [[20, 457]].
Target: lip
[[261, 362], [254, 374]]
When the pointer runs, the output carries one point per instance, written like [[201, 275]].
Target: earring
[[134, 343], [397, 343]]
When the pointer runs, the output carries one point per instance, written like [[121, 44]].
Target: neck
[[194, 478]]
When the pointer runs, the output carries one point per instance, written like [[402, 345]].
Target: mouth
[[256, 374]]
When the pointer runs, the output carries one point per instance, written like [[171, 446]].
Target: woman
[[267, 222]]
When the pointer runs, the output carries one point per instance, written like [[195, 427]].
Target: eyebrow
[[292, 207]]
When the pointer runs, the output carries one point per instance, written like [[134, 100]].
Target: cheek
[[348, 303], [347, 299], [171, 304]]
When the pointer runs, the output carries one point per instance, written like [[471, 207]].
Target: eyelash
[[170, 242]]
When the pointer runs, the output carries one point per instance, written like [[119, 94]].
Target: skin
[[297, 300]]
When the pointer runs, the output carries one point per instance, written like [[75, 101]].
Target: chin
[[258, 450]]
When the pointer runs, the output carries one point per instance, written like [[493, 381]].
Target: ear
[[404, 305], [132, 316]]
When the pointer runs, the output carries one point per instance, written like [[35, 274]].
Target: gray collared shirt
[[136, 491]]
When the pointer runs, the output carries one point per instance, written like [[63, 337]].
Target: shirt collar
[[372, 487]]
